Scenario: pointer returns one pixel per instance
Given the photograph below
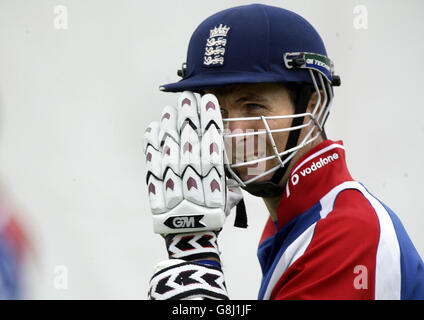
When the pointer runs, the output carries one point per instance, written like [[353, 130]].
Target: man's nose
[[237, 126]]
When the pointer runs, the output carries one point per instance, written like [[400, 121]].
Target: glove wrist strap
[[194, 246]]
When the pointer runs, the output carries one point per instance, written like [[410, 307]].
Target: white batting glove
[[185, 167], [188, 192]]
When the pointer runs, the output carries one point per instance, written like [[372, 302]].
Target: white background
[[74, 104]]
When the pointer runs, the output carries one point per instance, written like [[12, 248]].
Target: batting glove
[[189, 193]]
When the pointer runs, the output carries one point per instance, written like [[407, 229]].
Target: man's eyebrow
[[250, 97]]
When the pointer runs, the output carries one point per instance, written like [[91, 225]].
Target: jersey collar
[[313, 176]]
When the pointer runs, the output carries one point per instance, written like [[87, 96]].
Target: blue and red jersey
[[334, 240], [13, 245]]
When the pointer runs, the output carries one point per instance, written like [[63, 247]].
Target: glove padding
[[185, 168]]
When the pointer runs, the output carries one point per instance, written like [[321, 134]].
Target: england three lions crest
[[215, 46]]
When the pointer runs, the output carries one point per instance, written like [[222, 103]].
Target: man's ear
[[311, 106], [313, 101]]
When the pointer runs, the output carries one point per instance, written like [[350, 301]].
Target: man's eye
[[254, 107], [224, 113]]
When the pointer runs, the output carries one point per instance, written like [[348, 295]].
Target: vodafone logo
[[322, 162], [295, 179]]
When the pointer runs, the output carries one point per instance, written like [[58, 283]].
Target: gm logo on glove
[[180, 222]]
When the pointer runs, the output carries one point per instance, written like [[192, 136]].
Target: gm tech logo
[[181, 222], [322, 162]]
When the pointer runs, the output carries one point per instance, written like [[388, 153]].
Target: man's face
[[254, 100]]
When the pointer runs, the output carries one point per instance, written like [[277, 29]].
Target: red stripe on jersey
[[268, 231]]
